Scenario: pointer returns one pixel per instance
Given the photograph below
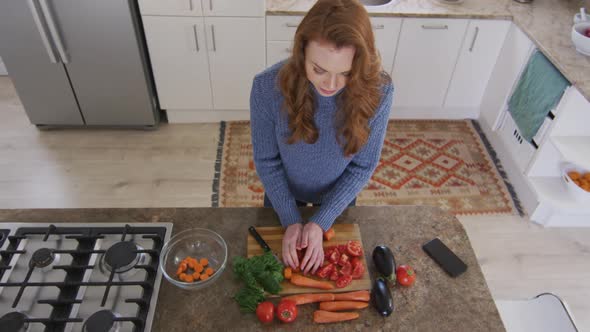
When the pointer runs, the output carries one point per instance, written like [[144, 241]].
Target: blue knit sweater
[[314, 173]]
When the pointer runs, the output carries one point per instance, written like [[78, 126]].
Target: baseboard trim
[[206, 116]]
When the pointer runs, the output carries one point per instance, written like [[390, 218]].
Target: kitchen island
[[435, 303]]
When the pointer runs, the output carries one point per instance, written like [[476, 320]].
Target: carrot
[[204, 261], [182, 277], [353, 296], [343, 305], [190, 264], [310, 298], [287, 273], [322, 316], [329, 234], [196, 276], [199, 268], [299, 280], [209, 271], [189, 278], [183, 266], [204, 277], [179, 271]]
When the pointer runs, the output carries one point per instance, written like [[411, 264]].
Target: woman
[[318, 124]]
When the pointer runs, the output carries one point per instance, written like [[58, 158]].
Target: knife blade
[[262, 243]]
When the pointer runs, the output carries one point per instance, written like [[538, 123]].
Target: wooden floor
[[173, 167]]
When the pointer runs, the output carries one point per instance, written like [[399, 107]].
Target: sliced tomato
[[353, 248], [343, 259], [346, 269], [343, 281], [328, 251], [334, 257], [358, 269], [325, 271], [342, 248], [335, 275]]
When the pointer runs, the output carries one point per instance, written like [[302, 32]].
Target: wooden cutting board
[[344, 232]]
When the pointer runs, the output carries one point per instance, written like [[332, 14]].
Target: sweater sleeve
[[359, 170], [267, 158]]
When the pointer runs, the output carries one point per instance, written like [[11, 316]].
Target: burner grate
[[81, 262]]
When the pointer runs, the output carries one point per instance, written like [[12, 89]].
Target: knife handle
[[258, 238]]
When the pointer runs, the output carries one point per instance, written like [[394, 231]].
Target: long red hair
[[342, 23]]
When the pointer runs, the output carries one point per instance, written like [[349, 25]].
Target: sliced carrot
[[199, 268], [288, 272], [299, 280], [183, 266], [182, 276], [179, 271], [191, 264], [310, 298], [343, 305], [204, 261], [189, 278], [196, 276], [353, 296], [204, 276], [209, 271], [329, 234], [322, 316]]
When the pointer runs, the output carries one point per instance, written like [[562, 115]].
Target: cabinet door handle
[[190, 5], [213, 37], [196, 36], [378, 26], [42, 31], [474, 39], [291, 25], [435, 27], [211, 5], [53, 30]]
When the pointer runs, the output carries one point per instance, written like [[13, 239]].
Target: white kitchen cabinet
[[179, 58], [170, 7], [483, 43], [2, 68], [242, 8], [426, 57], [277, 51], [386, 31], [236, 55], [280, 32]]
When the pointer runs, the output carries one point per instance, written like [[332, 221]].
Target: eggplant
[[381, 297], [384, 262]]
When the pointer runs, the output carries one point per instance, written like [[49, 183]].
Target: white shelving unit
[[568, 142]]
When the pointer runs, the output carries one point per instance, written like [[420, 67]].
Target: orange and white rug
[[444, 163]]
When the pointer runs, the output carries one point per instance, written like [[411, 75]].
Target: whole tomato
[[405, 275], [265, 312], [287, 311]]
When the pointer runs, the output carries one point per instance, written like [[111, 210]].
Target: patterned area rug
[[448, 164]]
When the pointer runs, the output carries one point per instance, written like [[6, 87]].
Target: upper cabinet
[[427, 52], [482, 45], [241, 8]]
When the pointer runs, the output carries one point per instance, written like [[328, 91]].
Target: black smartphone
[[444, 257]]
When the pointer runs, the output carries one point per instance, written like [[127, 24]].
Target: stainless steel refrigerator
[[78, 62]]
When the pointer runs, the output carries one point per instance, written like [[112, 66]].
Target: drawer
[[282, 27], [170, 7], [277, 51]]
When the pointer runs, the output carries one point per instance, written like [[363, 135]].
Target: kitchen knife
[[262, 243]]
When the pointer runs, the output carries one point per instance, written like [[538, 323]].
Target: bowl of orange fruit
[[577, 180], [194, 258]]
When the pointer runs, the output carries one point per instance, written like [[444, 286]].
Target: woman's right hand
[[291, 242]]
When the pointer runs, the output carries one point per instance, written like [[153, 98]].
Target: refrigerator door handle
[[42, 31], [54, 32]]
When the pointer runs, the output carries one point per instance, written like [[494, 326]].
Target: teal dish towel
[[539, 90]]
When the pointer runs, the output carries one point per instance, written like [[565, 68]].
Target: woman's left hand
[[312, 238]]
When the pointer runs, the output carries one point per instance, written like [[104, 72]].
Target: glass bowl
[[197, 243]]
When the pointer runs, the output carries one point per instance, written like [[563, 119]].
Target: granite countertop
[[435, 303], [547, 22]]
